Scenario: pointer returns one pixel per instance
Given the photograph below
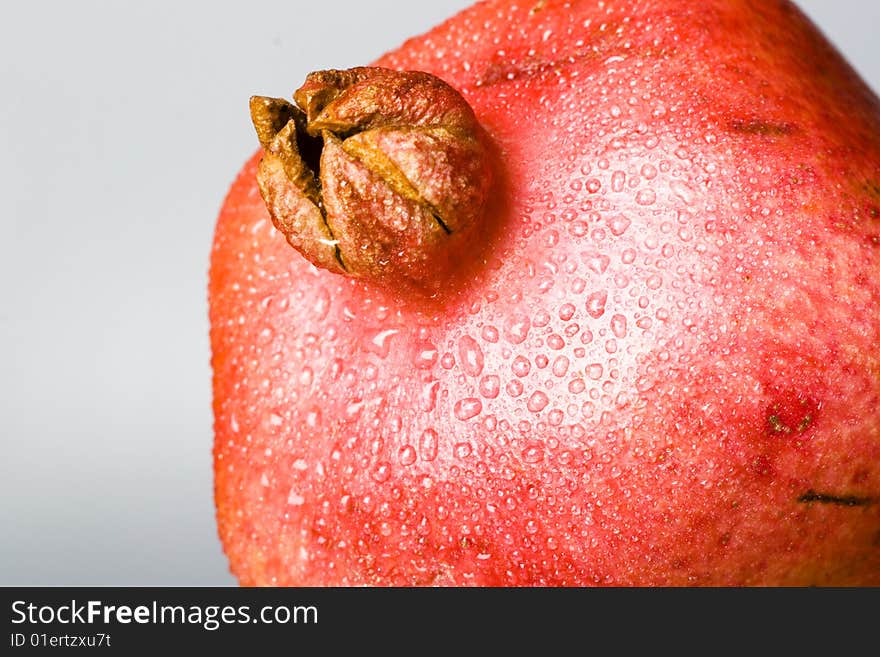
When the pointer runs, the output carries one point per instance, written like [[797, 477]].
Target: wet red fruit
[[658, 365]]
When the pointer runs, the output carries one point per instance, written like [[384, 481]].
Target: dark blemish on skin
[[837, 500], [761, 128], [601, 44], [762, 467], [539, 6], [498, 72], [790, 415], [778, 426], [872, 188]]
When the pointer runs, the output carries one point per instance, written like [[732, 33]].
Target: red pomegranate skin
[[663, 369]]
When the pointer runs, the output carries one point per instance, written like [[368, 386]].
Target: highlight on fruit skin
[[374, 173]]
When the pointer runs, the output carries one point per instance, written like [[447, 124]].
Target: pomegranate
[[581, 293]]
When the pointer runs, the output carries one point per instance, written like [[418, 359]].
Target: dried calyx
[[374, 173]]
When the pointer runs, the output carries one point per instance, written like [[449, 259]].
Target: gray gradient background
[[122, 126]]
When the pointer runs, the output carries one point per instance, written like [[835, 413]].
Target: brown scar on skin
[[837, 500], [761, 128]]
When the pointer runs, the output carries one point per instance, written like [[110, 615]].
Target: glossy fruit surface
[[662, 370]]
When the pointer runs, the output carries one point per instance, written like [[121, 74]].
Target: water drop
[[643, 384], [521, 366], [426, 355], [380, 342], [649, 171], [321, 304], [682, 191], [618, 326], [576, 386], [467, 408], [514, 388], [597, 262], [313, 418], [447, 361], [617, 180], [654, 282], [533, 454], [566, 311], [646, 197], [596, 303], [489, 386], [429, 396], [537, 402], [594, 371], [462, 450], [471, 356], [428, 445], [407, 455], [578, 229], [266, 335], [618, 224], [489, 333], [542, 318], [336, 368], [516, 328], [560, 365], [381, 472], [555, 341]]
